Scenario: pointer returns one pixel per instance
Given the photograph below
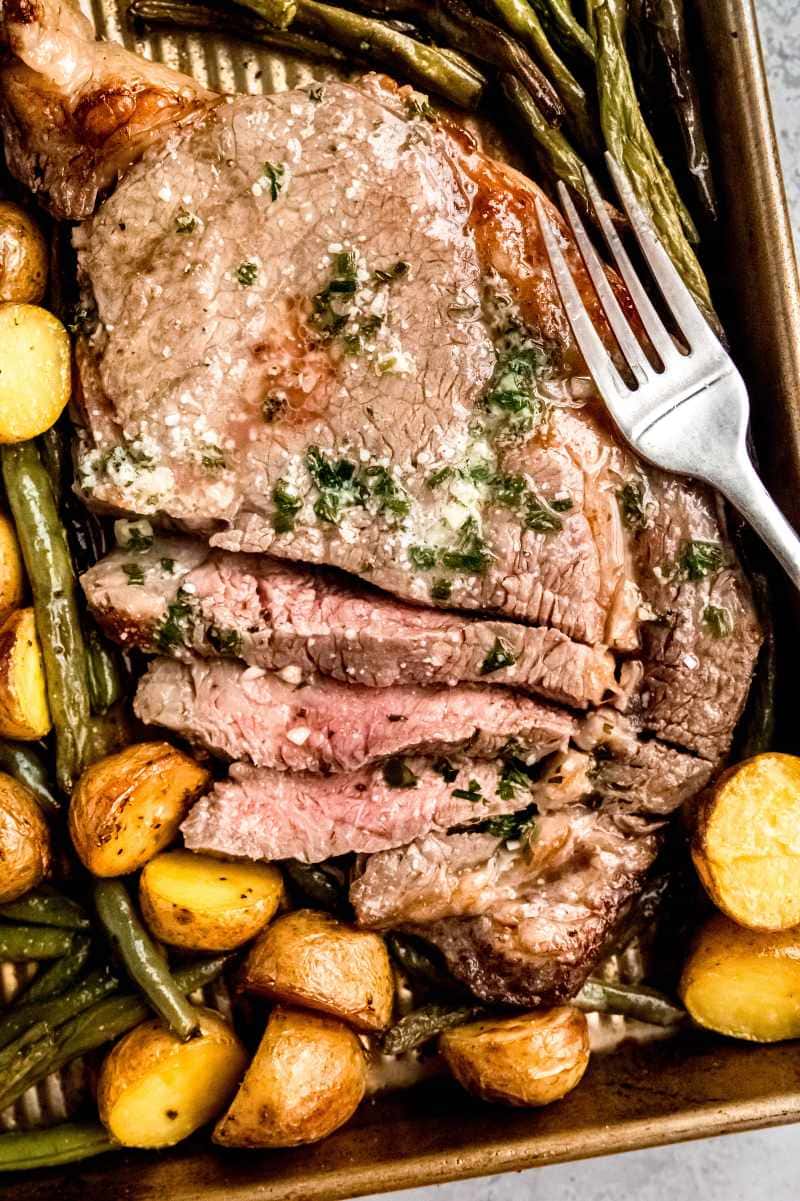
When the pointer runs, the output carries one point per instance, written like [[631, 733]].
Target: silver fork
[[691, 417]]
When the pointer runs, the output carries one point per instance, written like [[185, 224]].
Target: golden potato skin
[[24, 840], [23, 256], [746, 842], [206, 904], [12, 575], [531, 1059], [35, 363], [307, 1079], [744, 983], [128, 807], [310, 958], [155, 1090], [24, 711]]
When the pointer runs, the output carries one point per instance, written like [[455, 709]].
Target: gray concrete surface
[[763, 1165]]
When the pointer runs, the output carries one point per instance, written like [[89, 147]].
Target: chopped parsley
[[388, 275], [423, 557], [470, 554], [272, 407], [512, 393], [718, 621], [398, 774], [508, 490], [438, 477], [446, 770], [498, 657], [390, 496], [287, 506], [167, 566], [246, 274], [539, 516], [514, 776], [276, 175], [176, 628], [134, 573], [631, 500], [418, 105], [562, 504], [699, 559], [224, 642], [213, 459], [472, 793], [136, 536], [185, 222], [511, 826], [342, 484], [441, 590]]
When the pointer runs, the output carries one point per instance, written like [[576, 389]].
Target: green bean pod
[[423, 1024], [141, 958], [24, 764], [59, 975], [630, 1000], [45, 908], [23, 1150], [52, 579], [317, 884], [57, 1010], [21, 944], [105, 681]]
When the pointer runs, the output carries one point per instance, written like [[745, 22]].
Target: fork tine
[[610, 383], [688, 317], [637, 359], [654, 326]]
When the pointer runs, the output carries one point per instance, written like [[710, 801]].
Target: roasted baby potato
[[155, 1090], [206, 904], [35, 371], [12, 576], [310, 958], [746, 844], [24, 840], [531, 1059], [24, 712], [744, 983], [308, 1077], [128, 807], [23, 256]]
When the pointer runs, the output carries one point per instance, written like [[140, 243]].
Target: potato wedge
[[128, 807], [155, 1090], [206, 904], [24, 712], [744, 983], [310, 958], [307, 1079], [532, 1059], [746, 843], [35, 371], [23, 256], [24, 840], [12, 573]]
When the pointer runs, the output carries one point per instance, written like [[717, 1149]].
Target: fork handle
[[742, 486]]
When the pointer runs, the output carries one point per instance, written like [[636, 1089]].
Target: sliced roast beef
[[302, 621], [247, 713], [520, 922], [260, 813]]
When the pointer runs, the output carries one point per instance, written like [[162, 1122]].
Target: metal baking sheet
[[687, 1087]]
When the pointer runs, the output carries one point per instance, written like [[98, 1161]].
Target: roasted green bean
[[630, 1000], [316, 883], [423, 1024], [142, 961], [59, 975], [91, 1029], [185, 14], [23, 1150], [46, 908], [420, 963], [570, 30], [23, 763], [54, 1012], [52, 579], [20, 944], [105, 682]]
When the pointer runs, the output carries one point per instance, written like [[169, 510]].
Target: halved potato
[[24, 840], [532, 1059], [23, 256], [12, 574], [307, 1078], [746, 844], [310, 958], [24, 712], [206, 904], [128, 807], [744, 983], [35, 371], [155, 1090]]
